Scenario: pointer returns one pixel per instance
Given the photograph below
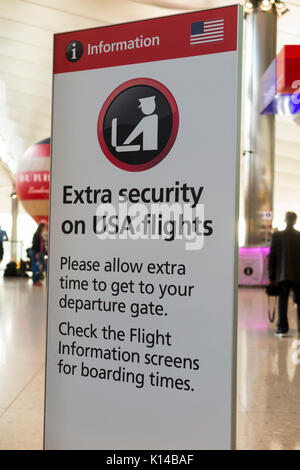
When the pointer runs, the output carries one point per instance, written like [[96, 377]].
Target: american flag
[[207, 31]]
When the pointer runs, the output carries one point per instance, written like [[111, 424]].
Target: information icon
[[74, 51]]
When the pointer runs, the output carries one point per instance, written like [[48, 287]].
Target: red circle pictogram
[[175, 124]]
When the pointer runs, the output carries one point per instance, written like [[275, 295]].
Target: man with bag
[[284, 270]]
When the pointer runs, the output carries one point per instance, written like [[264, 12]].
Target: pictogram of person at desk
[[148, 127]]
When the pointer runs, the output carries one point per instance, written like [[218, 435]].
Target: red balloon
[[32, 180]]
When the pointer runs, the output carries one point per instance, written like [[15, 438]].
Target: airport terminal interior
[[268, 379]]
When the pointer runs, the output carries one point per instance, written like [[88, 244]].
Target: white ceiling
[[26, 34]]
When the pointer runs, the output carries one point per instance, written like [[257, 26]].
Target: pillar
[[14, 215], [259, 130]]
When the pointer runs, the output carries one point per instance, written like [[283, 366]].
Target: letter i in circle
[[74, 51]]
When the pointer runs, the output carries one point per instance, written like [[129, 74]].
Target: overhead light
[[248, 7], [281, 8], [266, 5]]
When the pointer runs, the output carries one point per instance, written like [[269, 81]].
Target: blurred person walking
[[3, 238], [37, 254], [284, 270]]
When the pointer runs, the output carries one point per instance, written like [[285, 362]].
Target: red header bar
[[169, 37]]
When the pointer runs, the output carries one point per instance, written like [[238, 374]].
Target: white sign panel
[[141, 332]]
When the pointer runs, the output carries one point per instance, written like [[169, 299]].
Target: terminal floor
[[268, 380]]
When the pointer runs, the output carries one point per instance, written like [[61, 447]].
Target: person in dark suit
[[37, 254], [3, 238], [284, 270]]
